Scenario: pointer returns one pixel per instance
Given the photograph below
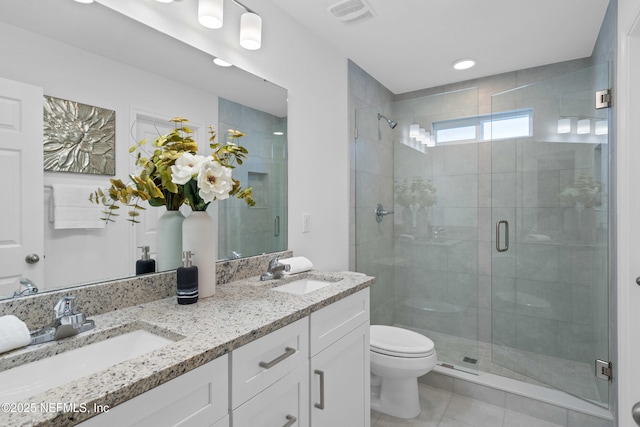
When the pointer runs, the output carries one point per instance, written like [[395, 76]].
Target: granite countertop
[[237, 314]]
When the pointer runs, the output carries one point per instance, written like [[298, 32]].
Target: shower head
[[390, 122]]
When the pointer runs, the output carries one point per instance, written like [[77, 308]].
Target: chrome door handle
[[287, 353], [506, 236], [291, 420], [32, 258], [321, 374], [635, 412]]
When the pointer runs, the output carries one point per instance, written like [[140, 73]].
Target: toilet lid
[[394, 341]]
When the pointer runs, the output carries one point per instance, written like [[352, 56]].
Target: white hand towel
[[70, 207], [298, 264], [13, 333]]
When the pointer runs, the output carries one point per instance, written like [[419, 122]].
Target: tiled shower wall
[[262, 228], [372, 180]]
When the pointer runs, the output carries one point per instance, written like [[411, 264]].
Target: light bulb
[[210, 13], [584, 126], [250, 31], [564, 125]]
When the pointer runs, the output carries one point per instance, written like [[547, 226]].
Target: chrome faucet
[[65, 323], [30, 288], [275, 269]]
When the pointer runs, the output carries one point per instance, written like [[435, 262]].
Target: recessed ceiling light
[[463, 64], [221, 62], [278, 133], [84, 1]]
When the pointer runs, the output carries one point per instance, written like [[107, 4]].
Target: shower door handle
[[506, 236], [276, 226]]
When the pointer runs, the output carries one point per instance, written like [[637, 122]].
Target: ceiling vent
[[351, 11]]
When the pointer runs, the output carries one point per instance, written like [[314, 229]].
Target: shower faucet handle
[[381, 212]]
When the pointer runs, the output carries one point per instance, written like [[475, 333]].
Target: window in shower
[[509, 124], [512, 124]]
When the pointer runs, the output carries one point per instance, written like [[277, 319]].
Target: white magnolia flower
[[186, 167], [214, 181]]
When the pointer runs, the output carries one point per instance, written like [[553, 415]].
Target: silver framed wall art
[[78, 138]]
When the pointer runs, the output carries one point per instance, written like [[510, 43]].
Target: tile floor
[[442, 408]]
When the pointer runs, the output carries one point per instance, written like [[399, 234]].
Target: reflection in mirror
[[71, 52], [252, 230]]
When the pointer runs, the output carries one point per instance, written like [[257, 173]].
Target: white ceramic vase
[[199, 237], [169, 240]]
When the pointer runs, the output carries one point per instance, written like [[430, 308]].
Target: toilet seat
[[399, 342]]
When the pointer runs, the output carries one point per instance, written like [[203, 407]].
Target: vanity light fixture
[[584, 126], [210, 13], [464, 64], [250, 30], [564, 125], [221, 62]]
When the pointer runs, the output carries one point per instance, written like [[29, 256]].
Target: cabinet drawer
[[285, 403], [331, 323], [197, 398], [261, 363]]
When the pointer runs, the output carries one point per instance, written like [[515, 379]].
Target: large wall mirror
[[93, 55]]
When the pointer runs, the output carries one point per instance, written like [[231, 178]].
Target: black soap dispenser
[[187, 280], [145, 264]]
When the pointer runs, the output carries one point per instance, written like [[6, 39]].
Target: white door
[[149, 128], [21, 178], [628, 210]]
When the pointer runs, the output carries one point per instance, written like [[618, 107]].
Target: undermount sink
[[302, 286], [35, 377]]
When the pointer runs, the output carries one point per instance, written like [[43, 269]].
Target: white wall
[[315, 75], [627, 97]]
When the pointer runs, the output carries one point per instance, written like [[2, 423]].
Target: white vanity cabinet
[[312, 372], [198, 398], [317, 375], [339, 364], [270, 379], [285, 403]]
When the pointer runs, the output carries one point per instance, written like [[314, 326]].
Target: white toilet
[[398, 358]]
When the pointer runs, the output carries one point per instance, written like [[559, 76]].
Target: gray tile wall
[[371, 182]]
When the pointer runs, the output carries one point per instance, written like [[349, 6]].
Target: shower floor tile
[[573, 377]]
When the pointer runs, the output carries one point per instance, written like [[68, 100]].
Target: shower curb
[[533, 400]]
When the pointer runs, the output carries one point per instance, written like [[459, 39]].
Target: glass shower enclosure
[[496, 242]]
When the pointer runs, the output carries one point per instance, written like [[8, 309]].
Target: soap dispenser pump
[[145, 264], [187, 280]]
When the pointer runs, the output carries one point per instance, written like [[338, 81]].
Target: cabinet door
[[336, 320], [195, 399], [285, 403], [340, 394]]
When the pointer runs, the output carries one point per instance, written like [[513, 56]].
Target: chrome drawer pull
[[321, 374], [291, 421], [288, 352]]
